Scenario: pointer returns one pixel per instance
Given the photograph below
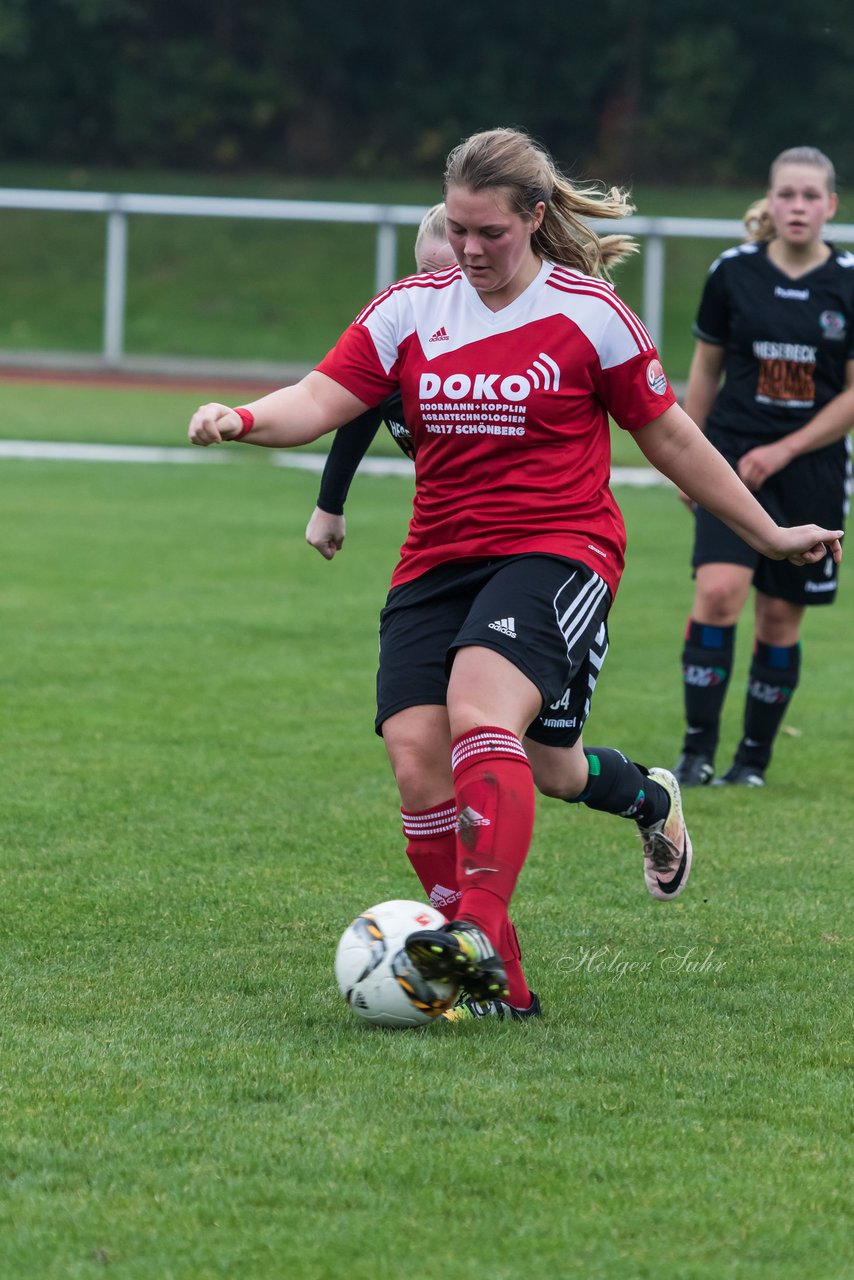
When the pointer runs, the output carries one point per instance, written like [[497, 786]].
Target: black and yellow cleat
[[467, 1010], [459, 953]]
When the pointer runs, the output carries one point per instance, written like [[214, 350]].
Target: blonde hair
[[758, 222], [431, 227], [510, 159]]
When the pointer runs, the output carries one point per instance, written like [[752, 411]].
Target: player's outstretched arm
[[285, 418], [674, 444]]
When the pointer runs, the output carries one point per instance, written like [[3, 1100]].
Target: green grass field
[[237, 290], [195, 805]]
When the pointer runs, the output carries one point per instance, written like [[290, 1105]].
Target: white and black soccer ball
[[376, 977]]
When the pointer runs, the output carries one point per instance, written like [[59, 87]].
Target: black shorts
[[814, 489], [544, 614]]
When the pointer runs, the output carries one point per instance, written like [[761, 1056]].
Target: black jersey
[[786, 341], [350, 445]]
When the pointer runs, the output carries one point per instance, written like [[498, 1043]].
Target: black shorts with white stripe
[[545, 614]]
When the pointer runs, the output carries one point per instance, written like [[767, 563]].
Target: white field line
[[47, 451]]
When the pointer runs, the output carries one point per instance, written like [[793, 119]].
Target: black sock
[[707, 658], [773, 678], [618, 785]]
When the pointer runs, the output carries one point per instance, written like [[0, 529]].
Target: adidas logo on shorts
[[507, 627]]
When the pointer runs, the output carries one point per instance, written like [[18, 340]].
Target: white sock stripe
[[426, 815], [422, 832], [437, 822], [463, 754], [486, 744], [432, 824], [500, 740]]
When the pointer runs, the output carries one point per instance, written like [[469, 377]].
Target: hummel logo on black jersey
[[507, 626], [440, 335]]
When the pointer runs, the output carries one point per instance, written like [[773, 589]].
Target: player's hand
[[213, 423], [755, 466], [325, 533], [807, 544]]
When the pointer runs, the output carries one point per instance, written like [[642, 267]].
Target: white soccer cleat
[[667, 848]]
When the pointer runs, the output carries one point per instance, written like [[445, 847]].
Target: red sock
[[511, 954], [495, 803], [432, 850]]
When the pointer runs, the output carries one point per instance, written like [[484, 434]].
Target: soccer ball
[[375, 975]]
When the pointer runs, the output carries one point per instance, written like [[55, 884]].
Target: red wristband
[[247, 417]]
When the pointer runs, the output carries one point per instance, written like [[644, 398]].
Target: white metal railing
[[387, 218]]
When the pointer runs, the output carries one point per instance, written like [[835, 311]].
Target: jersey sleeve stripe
[[586, 287], [601, 289], [431, 280]]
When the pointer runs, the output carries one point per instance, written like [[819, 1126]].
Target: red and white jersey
[[508, 411]]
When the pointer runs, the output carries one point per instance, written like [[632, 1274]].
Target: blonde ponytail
[[565, 237], [758, 224]]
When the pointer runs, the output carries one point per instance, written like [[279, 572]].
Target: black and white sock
[[707, 659], [773, 678]]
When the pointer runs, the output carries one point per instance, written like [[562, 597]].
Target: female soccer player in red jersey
[[494, 630], [777, 321]]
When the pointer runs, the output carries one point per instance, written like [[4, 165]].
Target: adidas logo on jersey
[[440, 335], [507, 627]]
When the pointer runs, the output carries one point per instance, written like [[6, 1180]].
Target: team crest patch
[[656, 378], [832, 324]]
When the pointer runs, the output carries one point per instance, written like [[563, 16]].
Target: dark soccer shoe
[[459, 953], [466, 1009], [693, 770], [741, 775]]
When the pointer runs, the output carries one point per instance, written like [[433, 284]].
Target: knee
[[719, 603], [413, 773], [777, 621], [566, 782], [423, 775]]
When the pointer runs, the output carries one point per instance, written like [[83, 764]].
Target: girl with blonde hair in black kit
[[772, 384]]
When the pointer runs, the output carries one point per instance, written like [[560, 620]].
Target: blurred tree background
[[658, 91]]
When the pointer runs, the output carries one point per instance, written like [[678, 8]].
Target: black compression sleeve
[[349, 447]]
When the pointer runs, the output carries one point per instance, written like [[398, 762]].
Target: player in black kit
[[326, 529], [777, 321]]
